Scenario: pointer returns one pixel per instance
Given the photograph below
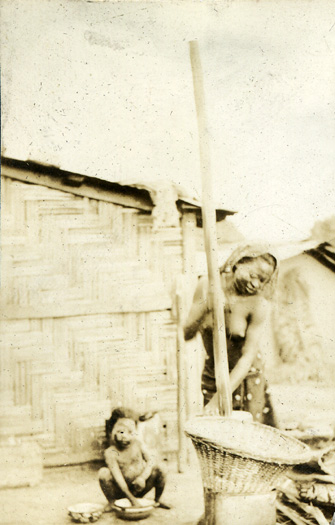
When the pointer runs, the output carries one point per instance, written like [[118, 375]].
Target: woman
[[247, 280]]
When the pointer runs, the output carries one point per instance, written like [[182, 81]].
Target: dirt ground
[[47, 503]]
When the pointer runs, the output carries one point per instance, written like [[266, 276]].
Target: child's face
[[123, 432]]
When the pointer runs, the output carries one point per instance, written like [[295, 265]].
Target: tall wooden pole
[[215, 295]]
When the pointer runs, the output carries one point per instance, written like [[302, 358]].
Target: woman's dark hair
[[265, 256], [120, 413]]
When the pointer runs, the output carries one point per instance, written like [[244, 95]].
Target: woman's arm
[[251, 345], [198, 310]]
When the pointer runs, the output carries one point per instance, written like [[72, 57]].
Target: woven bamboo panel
[[85, 319], [65, 255]]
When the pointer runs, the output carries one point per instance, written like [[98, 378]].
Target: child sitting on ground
[[130, 471]]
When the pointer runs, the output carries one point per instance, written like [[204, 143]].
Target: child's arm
[[113, 465], [146, 472]]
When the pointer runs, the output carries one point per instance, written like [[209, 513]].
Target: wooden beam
[[151, 303], [189, 226]]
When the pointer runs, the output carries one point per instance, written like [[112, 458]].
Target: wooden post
[[182, 403], [215, 295]]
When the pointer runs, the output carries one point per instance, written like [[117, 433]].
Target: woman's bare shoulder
[[253, 303], [259, 306]]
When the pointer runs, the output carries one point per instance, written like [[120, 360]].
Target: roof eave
[[85, 186], [194, 206], [77, 184]]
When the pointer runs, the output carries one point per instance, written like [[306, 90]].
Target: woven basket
[[241, 457]]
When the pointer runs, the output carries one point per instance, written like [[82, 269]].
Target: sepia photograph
[[167, 329]]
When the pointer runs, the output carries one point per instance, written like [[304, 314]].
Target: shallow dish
[[85, 512], [125, 510]]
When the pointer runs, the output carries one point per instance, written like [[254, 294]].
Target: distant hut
[[88, 272], [304, 324], [302, 368]]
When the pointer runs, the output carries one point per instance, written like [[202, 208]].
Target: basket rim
[[296, 459]]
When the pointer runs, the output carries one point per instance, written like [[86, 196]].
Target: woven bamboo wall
[[85, 324]]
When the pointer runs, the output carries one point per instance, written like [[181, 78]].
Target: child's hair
[[120, 413]]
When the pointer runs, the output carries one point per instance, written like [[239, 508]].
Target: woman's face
[[251, 277]]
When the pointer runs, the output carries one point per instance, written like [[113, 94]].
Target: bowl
[[85, 512], [124, 509]]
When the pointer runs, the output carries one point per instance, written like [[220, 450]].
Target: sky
[[272, 99], [105, 89]]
